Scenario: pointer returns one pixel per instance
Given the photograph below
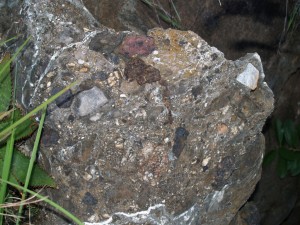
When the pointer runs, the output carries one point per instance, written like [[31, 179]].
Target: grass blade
[[34, 111], [6, 169], [32, 161], [8, 40], [177, 14], [2, 74]]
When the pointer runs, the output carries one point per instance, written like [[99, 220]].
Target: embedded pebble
[[87, 176], [106, 216], [119, 144], [222, 128], [249, 77], [50, 74], [84, 70], [50, 137], [102, 75], [96, 117], [65, 100], [89, 199], [205, 161], [94, 218], [80, 61], [137, 45], [89, 101], [71, 65]]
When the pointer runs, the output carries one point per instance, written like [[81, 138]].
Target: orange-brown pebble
[[222, 128]]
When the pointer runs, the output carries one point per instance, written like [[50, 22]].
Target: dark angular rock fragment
[[102, 75], [49, 137], [180, 138], [89, 199], [137, 69], [65, 100], [223, 171], [105, 42]]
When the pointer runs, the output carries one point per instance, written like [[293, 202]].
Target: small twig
[[10, 215], [25, 202]]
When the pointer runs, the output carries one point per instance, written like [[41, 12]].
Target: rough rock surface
[[174, 139]]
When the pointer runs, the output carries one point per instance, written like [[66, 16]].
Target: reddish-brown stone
[[137, 45]]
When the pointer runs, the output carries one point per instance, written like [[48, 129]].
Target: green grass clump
[[165, 15], [287, 154], [16, 169], [293, 20]]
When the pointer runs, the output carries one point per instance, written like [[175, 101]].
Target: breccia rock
[[183, 147]]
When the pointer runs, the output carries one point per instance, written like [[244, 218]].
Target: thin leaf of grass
[[53, 204], [163, 14], [169, 20], [32, 161], [34, 111], [7, 158], [174, 7], [8, 40], [293, 16], [6, 170], [12, 58]]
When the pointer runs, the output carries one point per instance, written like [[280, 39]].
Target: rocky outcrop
[[161, 129]]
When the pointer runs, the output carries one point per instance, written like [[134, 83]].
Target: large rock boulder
[[161, 129]]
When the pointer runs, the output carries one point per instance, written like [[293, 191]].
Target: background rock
[[186, 143], [235, 28]]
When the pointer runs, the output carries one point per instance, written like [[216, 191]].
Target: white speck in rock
[[167, 140], [156, 59], [80, 61], [205, 161]]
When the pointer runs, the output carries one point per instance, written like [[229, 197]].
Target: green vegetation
[[16, 169], [287, 155], [294, 16], [161, 13], [291, 21]]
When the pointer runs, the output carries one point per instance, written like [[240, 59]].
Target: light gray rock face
[[249, 77], [159, 133], [90, 101]]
